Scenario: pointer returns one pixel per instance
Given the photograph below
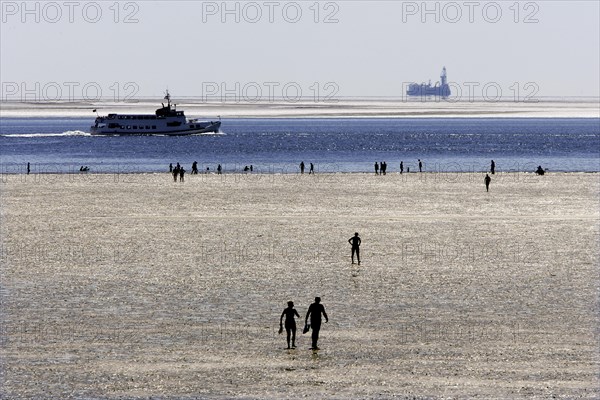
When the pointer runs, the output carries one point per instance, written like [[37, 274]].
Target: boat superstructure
[[165, 121]]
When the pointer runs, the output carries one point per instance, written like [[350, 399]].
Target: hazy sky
[[256, 49]]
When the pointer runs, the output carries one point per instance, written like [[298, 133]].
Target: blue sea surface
[[274, 145]]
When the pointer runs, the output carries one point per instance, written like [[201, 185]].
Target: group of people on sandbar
[[381, 168], [178, 171], [310, 171], [315, 311], [487, 180]]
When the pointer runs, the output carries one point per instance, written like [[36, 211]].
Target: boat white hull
[[198, 128]]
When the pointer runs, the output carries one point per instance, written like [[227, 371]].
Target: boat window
[[153, 126], [135, 127], [128, 126], [147, 126]]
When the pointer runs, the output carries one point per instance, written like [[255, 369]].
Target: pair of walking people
[[315, 310]]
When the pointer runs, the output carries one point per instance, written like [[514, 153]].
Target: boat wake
[[34, 135], [219, 133]]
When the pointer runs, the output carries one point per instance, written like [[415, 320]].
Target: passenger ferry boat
[[165, 121]]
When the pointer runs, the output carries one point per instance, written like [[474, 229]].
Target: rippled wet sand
[[136, 287]]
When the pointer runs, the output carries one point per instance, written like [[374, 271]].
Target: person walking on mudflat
[[290, 323], [314, 311], [355, 242], [487, 180]]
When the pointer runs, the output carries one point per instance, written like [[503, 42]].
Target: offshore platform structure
[[440, 89]]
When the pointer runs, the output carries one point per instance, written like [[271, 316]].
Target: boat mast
[[168, 98]]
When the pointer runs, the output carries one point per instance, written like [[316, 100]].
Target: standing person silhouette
[[314, 311], [420, 165], [401, 167], [376, 168], [302, 167], [355, 242], [290, 323], [312, 169], [493, 167], [487, 180]]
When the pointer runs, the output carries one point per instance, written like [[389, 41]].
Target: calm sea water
[[333, 145]]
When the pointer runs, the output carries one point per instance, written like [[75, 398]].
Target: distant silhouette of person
[[246, 168], [540, 170], [290, 323], [407, 170], [251, 168], [312, 169], [401, 167], [219, 169], [493, 167], [376, 168], [171, 167], [355, 242], [420, 166], [28, 168], [487, 180], [181, 174], [383, 167], [302, 167], [195, 168], [176, 172], [314, 311]]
